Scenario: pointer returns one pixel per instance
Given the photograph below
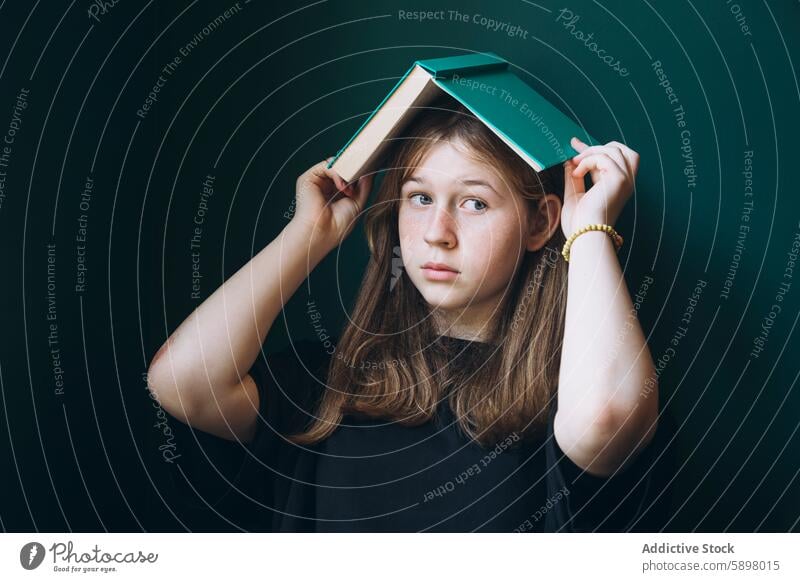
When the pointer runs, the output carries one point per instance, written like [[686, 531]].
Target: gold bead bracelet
[[609, 230]]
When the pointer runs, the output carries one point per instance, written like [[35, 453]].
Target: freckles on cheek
[[407, 241], [499, 249], [409, 229], [406, 227]]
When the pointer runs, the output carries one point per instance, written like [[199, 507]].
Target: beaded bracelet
[[609, 230]]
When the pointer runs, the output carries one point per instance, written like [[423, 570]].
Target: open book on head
[[531, 126]]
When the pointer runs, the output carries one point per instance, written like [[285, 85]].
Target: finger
[[320, 172], [611, 150], [616, 154], [349, 189], [600, 162], [572, 185], [578, 144], [631, 157], [363, 188], [625, 157]]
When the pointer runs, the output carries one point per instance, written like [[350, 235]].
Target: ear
[[543, 222]]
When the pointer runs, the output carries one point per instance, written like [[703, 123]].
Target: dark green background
[[279, 87]]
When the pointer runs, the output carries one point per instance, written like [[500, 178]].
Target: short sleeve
[[290, 385], [581, 502]]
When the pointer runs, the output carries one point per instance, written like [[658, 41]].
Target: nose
[[441, 229]]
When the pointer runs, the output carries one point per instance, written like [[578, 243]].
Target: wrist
[[298, 234], [585, 220], [588, 248], [591, 236]]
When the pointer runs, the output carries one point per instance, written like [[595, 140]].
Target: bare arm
[[200, 375], [604, 412], [608, 389]]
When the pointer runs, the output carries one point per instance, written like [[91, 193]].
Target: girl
[[482, 382]]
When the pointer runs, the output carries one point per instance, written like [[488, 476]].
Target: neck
[[459, 326]]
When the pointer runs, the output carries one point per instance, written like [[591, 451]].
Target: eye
[[424, 200], [481, 204], [415, 194]]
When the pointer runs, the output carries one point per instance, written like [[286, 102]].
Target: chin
[[446, 305], [445, 300]]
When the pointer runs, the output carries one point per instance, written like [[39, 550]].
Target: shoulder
[[299, 357]]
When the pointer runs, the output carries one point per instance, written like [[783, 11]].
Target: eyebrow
[[469, 182]]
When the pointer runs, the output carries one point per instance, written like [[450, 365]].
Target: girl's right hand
[[328, 207]]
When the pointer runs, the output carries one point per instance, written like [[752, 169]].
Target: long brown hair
[[384, 366]]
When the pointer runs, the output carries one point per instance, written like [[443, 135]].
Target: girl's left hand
[[613, 170]]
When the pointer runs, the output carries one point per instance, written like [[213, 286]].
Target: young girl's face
[[459, 213]]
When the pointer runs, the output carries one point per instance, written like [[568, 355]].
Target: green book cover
[[532, 126]]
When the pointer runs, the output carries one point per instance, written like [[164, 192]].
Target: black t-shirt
[[374, 475]]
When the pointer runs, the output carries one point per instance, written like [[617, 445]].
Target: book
[[530, 125]]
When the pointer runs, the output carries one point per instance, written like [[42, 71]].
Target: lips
[[439, 267]]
